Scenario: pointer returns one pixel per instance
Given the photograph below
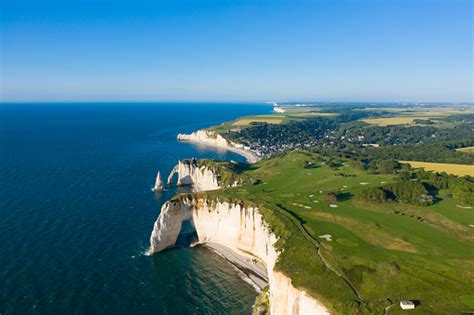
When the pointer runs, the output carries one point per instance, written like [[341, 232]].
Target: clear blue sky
[[327, 50]]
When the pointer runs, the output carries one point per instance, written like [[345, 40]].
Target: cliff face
[[191, 174], [205, 137], [286, 299], [242, 230], [211, 138]]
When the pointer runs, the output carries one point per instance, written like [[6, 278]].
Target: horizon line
[[225, 102]]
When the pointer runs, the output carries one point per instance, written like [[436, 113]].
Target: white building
[[407, 305]]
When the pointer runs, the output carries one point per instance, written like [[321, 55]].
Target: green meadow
[[360, 257]]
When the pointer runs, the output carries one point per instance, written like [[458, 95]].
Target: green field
[[378, 254]]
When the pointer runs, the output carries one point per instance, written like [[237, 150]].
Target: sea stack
[[158, 183]]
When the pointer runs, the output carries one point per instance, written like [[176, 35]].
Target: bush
[[387, 166], [333, 165], [406, 192], [331, 196], [461, 188], [358, 165], [375, 194], [309, 164], [404, 175], [413, 192]]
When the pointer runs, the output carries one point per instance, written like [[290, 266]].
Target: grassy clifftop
[[228, 172], [358, 256]]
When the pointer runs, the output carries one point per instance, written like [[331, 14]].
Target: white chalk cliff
[[206, 137], [191, 174], [211, 138], [159, 186], [242, 230]]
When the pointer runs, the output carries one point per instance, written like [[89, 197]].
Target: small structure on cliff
[[407, 305]]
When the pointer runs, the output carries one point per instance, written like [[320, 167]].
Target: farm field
[[455, 169], [407, 116], [423, 111], [248, 121], [391, 120], [386, 251], [467, 149], [308, 114], [291, 114]]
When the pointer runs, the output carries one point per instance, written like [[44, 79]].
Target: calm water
[[76, 211]]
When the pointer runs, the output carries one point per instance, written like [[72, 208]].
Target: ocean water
[[76, 211]]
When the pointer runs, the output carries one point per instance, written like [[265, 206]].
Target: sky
[[222, 50]]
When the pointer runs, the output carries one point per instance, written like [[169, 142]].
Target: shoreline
[[249, 156], [249, 248], [210, 138], [250, 269]]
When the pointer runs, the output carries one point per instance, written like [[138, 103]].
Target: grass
[[310, 114], [466, 149], [406, 116], [423, 111], [383, 252], [229, 173], [455, 169], [391, 120], [269, 120], [291, 114]]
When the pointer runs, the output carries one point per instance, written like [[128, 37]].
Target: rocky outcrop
[[242, 230], [190, 173], [211, 138], [159, 186], [205, 137]]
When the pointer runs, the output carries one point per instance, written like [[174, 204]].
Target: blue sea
[[76, 211]]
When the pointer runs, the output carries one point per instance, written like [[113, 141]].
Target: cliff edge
[[242, 230], [204, 175], [212, 138]]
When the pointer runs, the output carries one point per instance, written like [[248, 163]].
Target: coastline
[[250, 269], [240, 235], [248, 247], [248, 155], [210, 138]]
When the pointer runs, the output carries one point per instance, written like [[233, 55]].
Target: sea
[[77, 210]]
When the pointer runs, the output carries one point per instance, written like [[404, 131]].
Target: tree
[[405, 192], [404, 175], [387, 166], [375, 194], [358, 165]]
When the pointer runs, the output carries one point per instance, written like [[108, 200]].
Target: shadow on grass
[[345, 196], [243, 166], [433, 192], [293, 214]]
